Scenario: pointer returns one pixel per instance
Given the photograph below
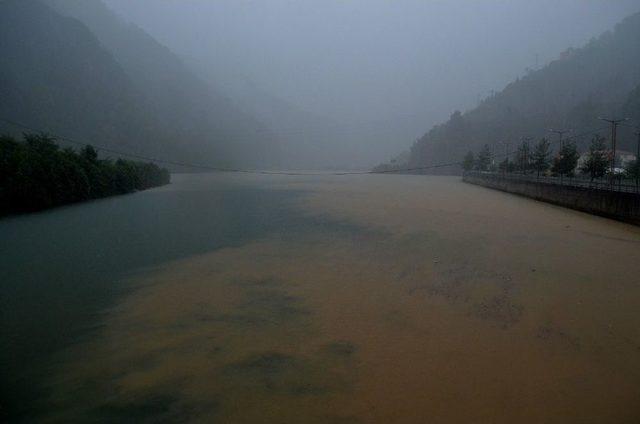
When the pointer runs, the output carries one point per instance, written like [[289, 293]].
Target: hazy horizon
[[384, 72]]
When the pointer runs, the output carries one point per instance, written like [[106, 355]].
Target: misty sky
[[408, 63]]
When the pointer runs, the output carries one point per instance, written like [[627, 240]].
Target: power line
[[560, 134], [262, 172], [614, 127], [629, 126], [223, 169]]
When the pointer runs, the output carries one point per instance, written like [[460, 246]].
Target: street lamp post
[[614, 126], [560, 134]]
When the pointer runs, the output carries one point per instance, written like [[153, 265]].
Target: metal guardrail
[[616, 185]]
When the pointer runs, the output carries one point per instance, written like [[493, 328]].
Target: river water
[[281, 299]]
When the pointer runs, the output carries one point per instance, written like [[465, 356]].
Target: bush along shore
[[36, 174]]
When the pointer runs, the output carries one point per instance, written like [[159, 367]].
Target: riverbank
[[615, 204], [36, 174]]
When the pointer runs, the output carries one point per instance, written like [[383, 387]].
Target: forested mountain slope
[[307, 141], [56, 75], [599, 79], [75, 68]]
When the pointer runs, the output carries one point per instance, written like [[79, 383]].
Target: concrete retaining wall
[[617, 205]]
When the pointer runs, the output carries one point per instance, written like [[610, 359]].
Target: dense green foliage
[[36, 174], [541, 154], [597, 162], [566, 161], [484, 158], [632, 170], [600, 79], [507, 166], [469, 161], [523, 157]]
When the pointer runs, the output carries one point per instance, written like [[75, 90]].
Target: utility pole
[[614, 126], [525, 160], [506, 160], [637, 164], [560, 134]]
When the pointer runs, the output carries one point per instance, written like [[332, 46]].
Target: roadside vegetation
[[35, 174], [573, 84], [567, 162]]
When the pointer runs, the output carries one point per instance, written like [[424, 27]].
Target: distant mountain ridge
[[75, 68], [307, 140], [56, 75], [599, 79]]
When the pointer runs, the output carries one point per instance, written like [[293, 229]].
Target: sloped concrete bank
[[621, 206]]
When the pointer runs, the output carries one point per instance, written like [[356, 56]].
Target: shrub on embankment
[[36, 174]]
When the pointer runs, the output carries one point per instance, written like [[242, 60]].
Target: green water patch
[[151, 408], [274, 373], [264, 304], [262, 348], [342, 349], [266, 315], [61, 269]]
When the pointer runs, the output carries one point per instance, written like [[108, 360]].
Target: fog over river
[[317, 299]]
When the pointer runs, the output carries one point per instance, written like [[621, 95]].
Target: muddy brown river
[[337, 299]]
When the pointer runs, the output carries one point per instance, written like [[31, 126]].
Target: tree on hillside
[[571, 86], [596, 162], [37, 174], [89, 154], [632, 170], [507, 166], [632, 105], [468, 162], [566, 161], [484, 158], [540, 156], [523, 156]]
